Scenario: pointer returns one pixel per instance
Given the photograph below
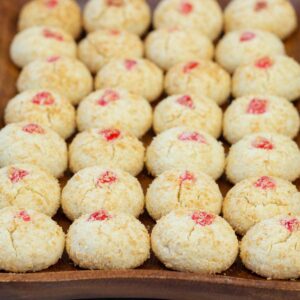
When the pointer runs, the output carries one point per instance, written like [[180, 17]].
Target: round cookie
[[29, 187], [184, 148], [277, 75], [263, 154], [69, 77], [194, 241], [201, 78], [33, 144], [260, 113], [115, 108], [204, 16], [29, 241], [270, 248], [44, 107], [112, 147], [276, 16], [131, 15], [168, 47], [41, 42], [103, 45], [64, 14], [139, 76], [245, 45], [96, 188], [176, 188], [258, 198], [104, 240], [200, 113]]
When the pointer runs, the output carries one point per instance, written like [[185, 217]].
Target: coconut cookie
[[64, 14], [201, 78], [188, 149], [33, 144], [105, 44], [104, 240], [258, 198], [131, 15], [196, 112], [113, 147], [263, 154], [98, 188], [69, 77], [139, 76], [251, 114], [176, 188], [204, 16], [194, 241], [276, 16], [29, 187], [244, 46], [115, 108], [44, 107], [272, 75], [168, 47], [30, 241], [270, 248]]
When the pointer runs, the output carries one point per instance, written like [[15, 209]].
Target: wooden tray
[[152, 280]]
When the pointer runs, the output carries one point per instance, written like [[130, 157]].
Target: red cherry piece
[[247, 36], [52, 35], [17, 174], [264, 63], [24, 216], [114, 32], [186, 8], [106, 178], [107, 97], [100, 215], [187, 176], [257, 107], [203, 218], [51, 3], [130, 64], [186, 101], [52, 59], [33, 128], [192, 136], [114, 2], [290, 224], [265, 183], [43, 98], [262, 143], [260, 5], [190, 66], [110, 134]]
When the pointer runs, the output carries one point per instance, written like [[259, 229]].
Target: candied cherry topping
[[43, 98], [107, 177], [247, 36], [47, 33], [190, 66], [114, 32], [17, 174], [107, 97], [23, 215], [186, 101], [260, 5], [33, 128], [203, 218], [262, 143], [187, 176], [114, 2], [100, 215], [51, 3], [130, 64], [186, 8], [264, 63], [52, 59], [192, 136], [257, 107], [265, 183], [110, 134], [290, 224]]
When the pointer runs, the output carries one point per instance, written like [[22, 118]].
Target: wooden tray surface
[[152, 280]]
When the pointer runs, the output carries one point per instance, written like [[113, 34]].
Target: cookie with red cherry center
[[194, 241]]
